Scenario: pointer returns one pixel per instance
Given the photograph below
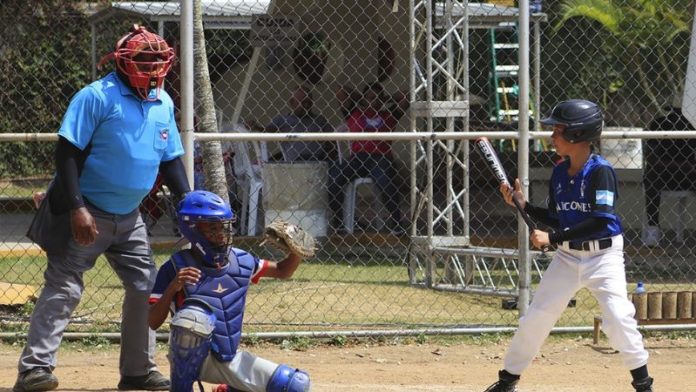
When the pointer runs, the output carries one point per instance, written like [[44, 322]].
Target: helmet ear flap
[[573, 136]]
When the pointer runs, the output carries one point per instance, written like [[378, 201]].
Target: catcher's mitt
[[289, 238]]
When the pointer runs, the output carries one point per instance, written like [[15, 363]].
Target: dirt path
[[565, 364]]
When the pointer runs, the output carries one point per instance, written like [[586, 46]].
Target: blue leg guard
[[192, 328], [287, 379]]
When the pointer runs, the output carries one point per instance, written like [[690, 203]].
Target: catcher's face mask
[[219, 234], [214, 240]]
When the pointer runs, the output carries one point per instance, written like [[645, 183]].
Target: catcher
[[205, 288]]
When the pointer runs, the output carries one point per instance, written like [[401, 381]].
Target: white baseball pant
[[600, 271]]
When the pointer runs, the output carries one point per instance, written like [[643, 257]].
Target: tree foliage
[[647, 39], [43, 61]]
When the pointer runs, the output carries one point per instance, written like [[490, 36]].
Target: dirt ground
[[565, 363]]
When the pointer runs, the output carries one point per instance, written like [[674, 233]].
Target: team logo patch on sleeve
[[605, 198], [164, 134]]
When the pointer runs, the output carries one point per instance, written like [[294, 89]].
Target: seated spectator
[[302, 119], [665, 169], [371, 111]]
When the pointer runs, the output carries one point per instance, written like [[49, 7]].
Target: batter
[[581, 211]]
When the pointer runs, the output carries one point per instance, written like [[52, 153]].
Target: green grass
[[323, 295], [22, 188]]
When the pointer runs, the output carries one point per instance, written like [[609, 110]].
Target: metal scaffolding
[[439, 50]]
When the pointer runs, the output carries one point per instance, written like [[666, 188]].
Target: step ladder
[[504, 73]]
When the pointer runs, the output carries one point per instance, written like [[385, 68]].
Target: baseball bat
[[486, 149]]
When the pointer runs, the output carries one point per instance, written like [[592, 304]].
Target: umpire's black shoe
[[643, 385], [506, 383], [35, 380], [153, 381]]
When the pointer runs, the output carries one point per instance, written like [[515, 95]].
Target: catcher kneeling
[[205, 288]]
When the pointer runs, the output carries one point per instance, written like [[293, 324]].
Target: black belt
[[585, 245]]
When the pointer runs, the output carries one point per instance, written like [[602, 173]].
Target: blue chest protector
[[225, 292], [574, 196]]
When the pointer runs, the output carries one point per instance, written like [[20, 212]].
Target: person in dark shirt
[[302, 119], [668, 166]]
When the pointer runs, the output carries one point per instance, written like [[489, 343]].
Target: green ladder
[[504, 72]]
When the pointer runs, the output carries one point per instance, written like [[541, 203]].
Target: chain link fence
[[412, 231]]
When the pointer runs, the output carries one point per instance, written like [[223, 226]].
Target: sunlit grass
[[323, 294]]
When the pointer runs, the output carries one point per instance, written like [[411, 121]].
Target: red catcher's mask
[[144, 58]]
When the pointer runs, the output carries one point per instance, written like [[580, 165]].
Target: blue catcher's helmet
[[199, 208], [582, 120]]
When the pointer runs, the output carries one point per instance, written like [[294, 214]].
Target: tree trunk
[[211, 151]]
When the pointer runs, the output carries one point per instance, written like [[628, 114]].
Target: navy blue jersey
[[592, 192]]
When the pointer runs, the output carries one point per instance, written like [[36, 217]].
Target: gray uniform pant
[[123, 240], [245, 372]]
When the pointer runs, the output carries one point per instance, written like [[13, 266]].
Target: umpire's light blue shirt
[[129, 138]]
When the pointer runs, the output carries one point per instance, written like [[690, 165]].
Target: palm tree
[[211, 151], [642, 30]]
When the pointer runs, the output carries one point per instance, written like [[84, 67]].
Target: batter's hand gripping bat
[[486, 149]]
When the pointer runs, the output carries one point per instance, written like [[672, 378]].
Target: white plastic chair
[[350, 192], [682, 200], [248, 178]]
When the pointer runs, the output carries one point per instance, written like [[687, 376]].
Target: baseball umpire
[[581, 208], [205, 288], [117, 133]]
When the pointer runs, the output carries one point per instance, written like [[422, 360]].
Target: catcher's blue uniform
[[207, 327], [225, 292], [167, 273]]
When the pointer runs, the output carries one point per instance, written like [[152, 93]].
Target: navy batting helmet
[[582, 120]]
